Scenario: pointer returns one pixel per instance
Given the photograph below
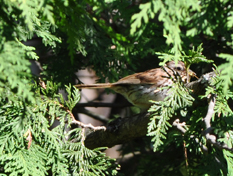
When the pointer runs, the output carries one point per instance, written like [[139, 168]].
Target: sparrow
[[140, 88]]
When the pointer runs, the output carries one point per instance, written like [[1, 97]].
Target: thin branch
[[74, 121], [210, 112], [83, 136], [179, 126], [207, 120]]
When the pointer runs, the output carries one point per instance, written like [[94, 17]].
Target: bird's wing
[[153, 76], [93, 86]]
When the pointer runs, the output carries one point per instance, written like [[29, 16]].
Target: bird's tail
[[93, 86]]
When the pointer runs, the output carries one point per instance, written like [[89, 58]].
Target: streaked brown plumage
[[141, 87]]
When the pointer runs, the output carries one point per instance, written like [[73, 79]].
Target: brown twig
[[29, 137], [185, 154]]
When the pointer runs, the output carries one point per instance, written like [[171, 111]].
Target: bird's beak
[[192, 74]]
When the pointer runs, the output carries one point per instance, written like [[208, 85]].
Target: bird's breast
[[140, 95]]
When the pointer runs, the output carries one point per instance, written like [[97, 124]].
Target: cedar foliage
[[76, 34]]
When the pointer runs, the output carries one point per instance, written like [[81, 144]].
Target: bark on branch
[[119, 131]]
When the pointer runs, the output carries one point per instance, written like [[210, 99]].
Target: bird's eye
[[178, 68]]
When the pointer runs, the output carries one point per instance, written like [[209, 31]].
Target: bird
[[140, 88]]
